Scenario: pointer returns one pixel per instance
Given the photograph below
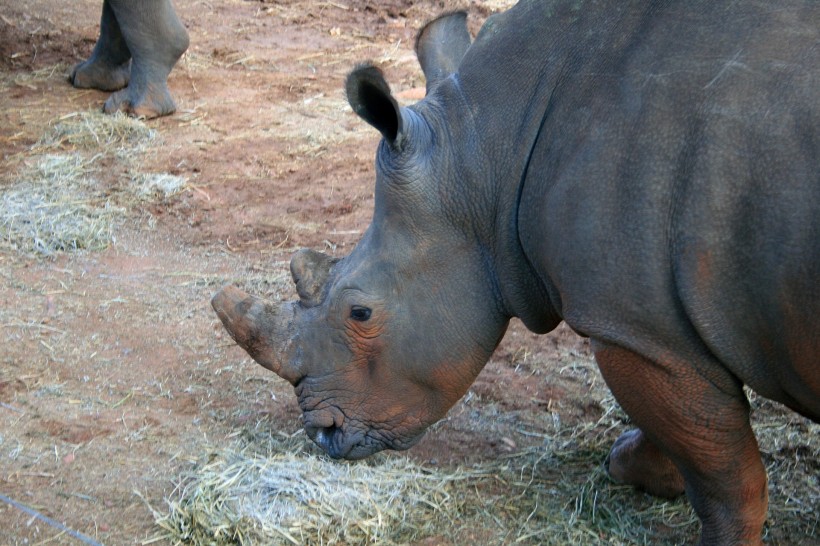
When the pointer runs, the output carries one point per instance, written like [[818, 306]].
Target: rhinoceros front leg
[[703, 429], [108, 68], [156, 39]]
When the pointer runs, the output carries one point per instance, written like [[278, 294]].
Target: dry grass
[[33, 79], [111, 134], [272, 489], [790, 445], [269, 488], [55, 207], [55, 204], [157, 186]]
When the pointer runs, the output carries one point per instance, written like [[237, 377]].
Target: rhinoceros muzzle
[[328, 427], [342, 443], [269, 333], [337, 444]]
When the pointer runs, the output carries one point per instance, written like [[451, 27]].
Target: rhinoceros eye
[[357, 312]]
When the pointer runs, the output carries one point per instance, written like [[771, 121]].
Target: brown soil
[[114, 368]]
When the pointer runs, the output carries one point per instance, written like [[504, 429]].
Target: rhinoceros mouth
[[343, 436], [340, 444]]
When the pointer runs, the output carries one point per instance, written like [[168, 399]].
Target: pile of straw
[[157, 186], [55, 207], [100, 132], [275, 489], [278, 490]]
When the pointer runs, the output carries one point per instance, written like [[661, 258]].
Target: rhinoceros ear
[[310, 271], [440, 46], [370, 97]]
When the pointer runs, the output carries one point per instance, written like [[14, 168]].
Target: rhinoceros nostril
[[331, 439], [324, 436]]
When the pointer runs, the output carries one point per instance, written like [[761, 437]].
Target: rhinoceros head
[[383, 342]]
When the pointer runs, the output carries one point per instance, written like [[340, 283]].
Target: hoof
[[152, 103], [96, 75], [635, 461]]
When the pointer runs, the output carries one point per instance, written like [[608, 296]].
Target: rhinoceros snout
[[340, 444]]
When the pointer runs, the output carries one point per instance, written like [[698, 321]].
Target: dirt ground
[[114, 371], [114, 366]]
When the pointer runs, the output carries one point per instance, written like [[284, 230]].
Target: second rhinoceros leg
[[156, 39], [704, 429], [108, 68], [636, 461]]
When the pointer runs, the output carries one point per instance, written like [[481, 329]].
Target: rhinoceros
[[646, 171], [138, 46]]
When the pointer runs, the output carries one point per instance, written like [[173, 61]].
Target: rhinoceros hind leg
[[703, 426], [156, 39], [94, 74], [109, 66], [636, 461]]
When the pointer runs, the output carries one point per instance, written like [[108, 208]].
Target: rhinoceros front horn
[[310, 271], [264, 331]]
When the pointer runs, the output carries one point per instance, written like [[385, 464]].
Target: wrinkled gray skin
[[139, 43], [645, 171]]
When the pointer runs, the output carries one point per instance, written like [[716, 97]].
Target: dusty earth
[[114, 371]]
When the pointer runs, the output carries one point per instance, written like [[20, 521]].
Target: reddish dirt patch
[[74, 432], [114, 369]]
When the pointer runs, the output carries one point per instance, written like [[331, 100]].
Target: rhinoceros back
[[671, 199]]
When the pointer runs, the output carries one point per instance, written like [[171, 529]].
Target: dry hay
[[270, 488], [274, 489], [98, 131], [158, 186], [32, 79], [57, 205], [790, 446]]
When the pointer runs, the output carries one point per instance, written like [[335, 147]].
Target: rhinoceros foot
[[96, 74], [636, 461], [149, 101]]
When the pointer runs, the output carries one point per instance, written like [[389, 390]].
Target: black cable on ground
[[56, 524]]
